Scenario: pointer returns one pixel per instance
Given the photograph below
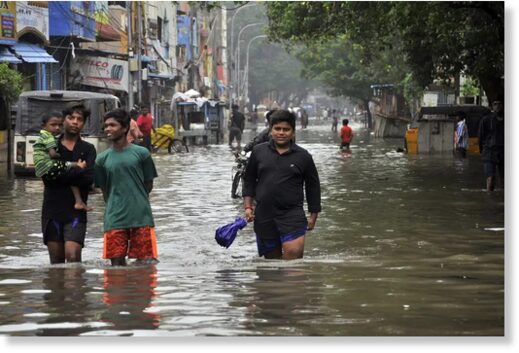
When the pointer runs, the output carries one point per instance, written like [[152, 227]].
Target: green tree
[[276, 72], [438, 39], [10, 83], [10, 88], [334, 64]]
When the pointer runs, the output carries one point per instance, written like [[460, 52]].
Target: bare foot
[[82, 206]]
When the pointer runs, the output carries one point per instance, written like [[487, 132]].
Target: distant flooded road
[[405, 245]]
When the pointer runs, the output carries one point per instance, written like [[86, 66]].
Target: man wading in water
[[276, 174]]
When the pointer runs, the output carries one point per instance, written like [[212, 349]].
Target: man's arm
[[104, 195], [481, 134], [312, 220], [149, 171], [261, 137], [249, 188], [312, 187], [77, 176], [248, 206], [148, 185]]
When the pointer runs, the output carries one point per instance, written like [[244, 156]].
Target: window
[[159, 29]]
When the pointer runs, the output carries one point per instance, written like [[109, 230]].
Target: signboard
[[101, 72], [7, 22], [32, 18]]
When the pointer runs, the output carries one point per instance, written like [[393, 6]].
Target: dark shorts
[[462, 152], [345, 146], [138, 243], [62, 232], [234, 133], [491, 167], [271, 234], [146, 142]]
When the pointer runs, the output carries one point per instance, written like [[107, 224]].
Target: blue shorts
[[271, 234], [62, 232]]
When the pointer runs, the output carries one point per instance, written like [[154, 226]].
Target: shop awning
[[6, 55], [31, 53]]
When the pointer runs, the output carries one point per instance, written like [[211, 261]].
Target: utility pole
[[232, 55], [139, 53], [246, 71], [237, 60], [130, 54], [226, 80]]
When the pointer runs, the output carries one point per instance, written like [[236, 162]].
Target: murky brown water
[[404, 246]]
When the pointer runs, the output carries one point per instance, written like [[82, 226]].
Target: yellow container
[[473, 147], [162, 136], [411, 138]]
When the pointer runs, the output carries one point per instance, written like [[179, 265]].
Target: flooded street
[[405, 245]]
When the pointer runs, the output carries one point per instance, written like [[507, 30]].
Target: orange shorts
[[138, 243]]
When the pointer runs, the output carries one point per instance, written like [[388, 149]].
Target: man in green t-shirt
[[125, 174]]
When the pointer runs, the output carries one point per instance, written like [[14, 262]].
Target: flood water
[[405, 246]]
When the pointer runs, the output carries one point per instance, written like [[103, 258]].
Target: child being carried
[[46, 162]]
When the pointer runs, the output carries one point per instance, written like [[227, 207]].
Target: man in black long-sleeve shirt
[[63, 226], [276, 174], [492, 144]]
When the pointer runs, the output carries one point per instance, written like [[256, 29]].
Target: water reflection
[[128, 294], [278, 300], [66, 300]]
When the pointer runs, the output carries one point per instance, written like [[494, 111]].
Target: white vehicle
[[33, 104]]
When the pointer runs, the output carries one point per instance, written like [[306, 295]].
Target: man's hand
[[249, 215], [311, 221], [81, 164]]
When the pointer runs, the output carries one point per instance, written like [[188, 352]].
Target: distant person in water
[[346, 135]]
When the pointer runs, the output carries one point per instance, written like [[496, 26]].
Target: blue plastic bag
[[225, 234]]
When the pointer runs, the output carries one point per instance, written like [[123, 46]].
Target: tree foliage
[[275, 71], [10, 83], [437, 39]]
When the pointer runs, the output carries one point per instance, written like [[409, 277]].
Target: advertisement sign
[[101, 72], [8, 22], [32, 18]]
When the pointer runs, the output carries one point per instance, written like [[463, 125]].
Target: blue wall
[[72, 18], [184, 34]]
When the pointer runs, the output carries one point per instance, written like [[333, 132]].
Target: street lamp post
[[246, 80], [237, 58], [232, 33]]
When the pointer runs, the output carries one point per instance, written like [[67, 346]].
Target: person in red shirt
[[145, 123], [346, 135]]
